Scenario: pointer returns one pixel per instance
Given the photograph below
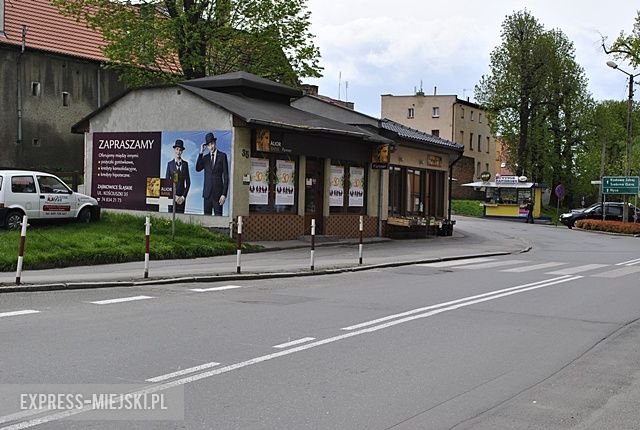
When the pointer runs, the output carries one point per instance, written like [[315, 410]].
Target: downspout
[[451, 182], [380, 196]]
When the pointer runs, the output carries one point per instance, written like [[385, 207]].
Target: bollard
[[23, 237], [313, 242], [239, 245], [360, 241], [147, 233]]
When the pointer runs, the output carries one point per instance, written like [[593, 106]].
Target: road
[[543, 339]]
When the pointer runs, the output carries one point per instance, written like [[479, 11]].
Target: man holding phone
[[216, 176]]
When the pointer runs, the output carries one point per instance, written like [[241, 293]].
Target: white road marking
[[456, 262], [578, 269], [493, 264], [415, 311], [226, 287], [533, 267], [16, 313], [186, 380], [629, 263], [120, 300], [183, 372], [294, 342], [617, 273]]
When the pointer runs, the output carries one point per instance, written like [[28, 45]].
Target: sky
[[374, 47]]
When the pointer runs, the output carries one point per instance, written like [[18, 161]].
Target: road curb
[[240, 277]]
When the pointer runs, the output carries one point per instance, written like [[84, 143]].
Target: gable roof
[[48, 30]]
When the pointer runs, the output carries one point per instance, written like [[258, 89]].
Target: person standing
[[529, 207], [216, 176], [181, 168]]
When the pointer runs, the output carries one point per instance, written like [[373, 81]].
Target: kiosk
[[506, 197]]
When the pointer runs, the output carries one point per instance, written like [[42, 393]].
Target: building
[[52, 70], [452, 119]]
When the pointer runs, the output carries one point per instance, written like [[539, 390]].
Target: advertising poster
[[336, 187], [285, 188], [356, 186], [131, 170], [259, 187]]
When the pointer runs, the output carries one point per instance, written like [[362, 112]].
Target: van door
[[24, 195], [56, 199]]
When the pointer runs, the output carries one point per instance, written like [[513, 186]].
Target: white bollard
[[23, 238]]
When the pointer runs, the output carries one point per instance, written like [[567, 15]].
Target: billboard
[[135, 170]]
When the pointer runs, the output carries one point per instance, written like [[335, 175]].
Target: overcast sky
[[389, 47]]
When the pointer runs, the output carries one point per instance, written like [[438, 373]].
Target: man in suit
[[216, 176], [179, 166]]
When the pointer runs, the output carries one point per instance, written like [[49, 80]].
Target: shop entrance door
[[313, 197]]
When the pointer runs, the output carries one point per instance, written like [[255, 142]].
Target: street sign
[[620, 185], [559, 191]]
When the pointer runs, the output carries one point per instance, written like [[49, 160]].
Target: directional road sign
[[620, 185]]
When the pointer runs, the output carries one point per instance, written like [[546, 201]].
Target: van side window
[[49, 184], [23, 184]]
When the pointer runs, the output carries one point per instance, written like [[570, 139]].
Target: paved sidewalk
[[283, 259]]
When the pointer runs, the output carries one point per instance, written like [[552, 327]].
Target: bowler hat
[[210, 138], [179, 144]]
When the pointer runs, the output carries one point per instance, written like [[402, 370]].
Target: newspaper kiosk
[[506, 197]]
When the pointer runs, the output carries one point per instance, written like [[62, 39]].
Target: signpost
[[620, 185], [559, 192]]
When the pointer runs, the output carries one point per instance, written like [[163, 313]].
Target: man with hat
[[179, 167], [216, 176]]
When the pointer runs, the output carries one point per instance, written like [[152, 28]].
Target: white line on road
[[629, 263], [533, 267], [294, 342], [456, 262], [493, 264], [206, 290], [193, 378], [16, 313], [578, 269], [183, 372], [120, 300], [415, 311], [617, 273]]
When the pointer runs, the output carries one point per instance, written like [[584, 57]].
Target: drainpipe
[[451, 181], [19, 85], [380, 196]]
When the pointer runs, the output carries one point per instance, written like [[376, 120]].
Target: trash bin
[[446, 229]]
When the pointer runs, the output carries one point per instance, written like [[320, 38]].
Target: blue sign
[[559, 191]]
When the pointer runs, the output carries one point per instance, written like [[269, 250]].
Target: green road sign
[[620, 185]]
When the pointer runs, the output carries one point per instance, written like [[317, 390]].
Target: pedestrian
[[529, 207], [216, 176], [179, 167]]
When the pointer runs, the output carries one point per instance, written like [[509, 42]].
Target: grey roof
[[244, 80], [266, 113], [418, 136]]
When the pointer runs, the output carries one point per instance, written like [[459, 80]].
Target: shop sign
[[271, 142], [485, 176], [380, 157], [285, 188], [336, 186], [506, 179], [434, 161], [259, 185], [356, 186]]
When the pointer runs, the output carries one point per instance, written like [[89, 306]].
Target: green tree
[[169, 40], [627, 45]]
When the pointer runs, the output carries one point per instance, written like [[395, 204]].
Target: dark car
[[613, 212]]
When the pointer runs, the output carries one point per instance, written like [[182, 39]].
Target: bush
[[467, 207], [609, 226]]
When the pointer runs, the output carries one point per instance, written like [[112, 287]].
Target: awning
[[481, 184]]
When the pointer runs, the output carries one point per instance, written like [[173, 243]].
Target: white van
[[41, 195]]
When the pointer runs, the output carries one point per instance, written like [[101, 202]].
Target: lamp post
[[613, 65]]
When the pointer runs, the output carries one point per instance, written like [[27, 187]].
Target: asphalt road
[[544, 339]]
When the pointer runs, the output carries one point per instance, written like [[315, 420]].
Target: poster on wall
[[259, 187], [137, 170], [285, 188], [336, 187], [356, 186]]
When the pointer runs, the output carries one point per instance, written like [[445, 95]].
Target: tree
[[150, 41], [537, 101], [627, 46]]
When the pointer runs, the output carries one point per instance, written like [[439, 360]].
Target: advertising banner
[[285, 187], [336, 188], [356, 186], [134, 170], [259, 187]]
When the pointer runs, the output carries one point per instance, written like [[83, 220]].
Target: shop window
[[273, 184], [395, 191], [347, 187], [415, 193]]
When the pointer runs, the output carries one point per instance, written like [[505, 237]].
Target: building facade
[[452, 119]]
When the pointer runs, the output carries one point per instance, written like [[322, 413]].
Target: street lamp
[[613, 65]]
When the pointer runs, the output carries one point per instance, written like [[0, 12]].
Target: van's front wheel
[[84, 216]]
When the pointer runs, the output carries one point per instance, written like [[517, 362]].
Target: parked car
[[41, 196], [613, 212]]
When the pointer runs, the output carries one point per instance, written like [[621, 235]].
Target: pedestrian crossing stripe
[[534, 267], [577, 269]]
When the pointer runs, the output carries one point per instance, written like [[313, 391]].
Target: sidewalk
[[281, 259]]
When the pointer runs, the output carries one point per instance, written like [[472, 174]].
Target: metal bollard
[[147, 233], [313, 242], [239, 245], [23, 238], [360, 243]]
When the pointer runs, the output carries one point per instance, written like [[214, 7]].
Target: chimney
[[435, 91], [308, 89]]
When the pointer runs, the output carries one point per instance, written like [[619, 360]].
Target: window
[[415, 193], [352, 192], [66, 99], [410, 112], [23, 184], [478, 169], [486, 167], [435, 133], [35, 89], [35, 142], [488, 144], [479, 117], [435, 112], [266, 191], [461, 142], [472, 115], [49, 184], [395, 190], [461, 112], [471, 141], [479, 143]]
